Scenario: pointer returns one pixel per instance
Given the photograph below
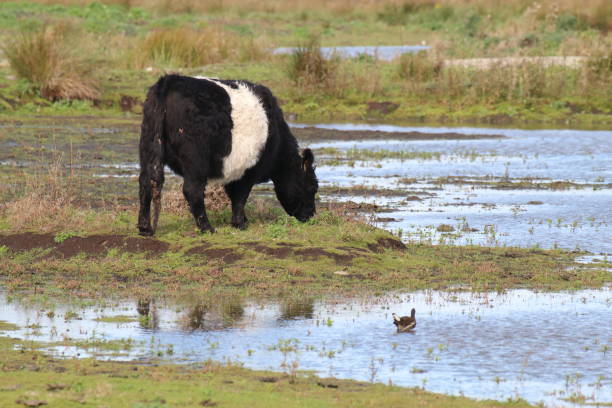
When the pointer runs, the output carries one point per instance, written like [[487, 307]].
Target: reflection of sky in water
[[482, 345], [568, 219], [382, 52]]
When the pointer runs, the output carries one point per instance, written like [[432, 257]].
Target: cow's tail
[[152, 155]]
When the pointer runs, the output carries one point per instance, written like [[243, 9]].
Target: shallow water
[[382, 52], [570, 218], [453, 182], [537, 346]]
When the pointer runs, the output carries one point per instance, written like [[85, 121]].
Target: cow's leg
[[194, 194], [238, 192], [151, 183]]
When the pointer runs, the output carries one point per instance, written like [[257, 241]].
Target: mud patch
[[387, 243], [315, 253], [90, 245], [381, 108], [226, 255], [310, 133], [27, 241], [100, 244]]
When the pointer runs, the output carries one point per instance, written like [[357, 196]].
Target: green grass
[[120, 41], [28, 375], [277, 257]]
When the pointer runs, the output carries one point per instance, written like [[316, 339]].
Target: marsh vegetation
[[457, 221], [123, 47]]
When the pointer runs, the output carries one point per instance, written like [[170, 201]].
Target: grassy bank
[[99, 59], [96, 254], [31, 378]]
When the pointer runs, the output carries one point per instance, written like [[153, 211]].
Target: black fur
[[187, 126]]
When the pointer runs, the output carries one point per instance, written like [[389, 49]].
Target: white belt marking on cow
[[249, 132]]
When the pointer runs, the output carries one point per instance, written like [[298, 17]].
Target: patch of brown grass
[[419, 67], [45, 58], [311, 71], [49, 201], [186, 47]]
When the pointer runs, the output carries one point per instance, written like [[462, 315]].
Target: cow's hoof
[[209, 230], [146, 232], [241, 226]]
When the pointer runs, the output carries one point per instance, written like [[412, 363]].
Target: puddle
[[465, 181], [381, 52], [544, 188], [542, 347]]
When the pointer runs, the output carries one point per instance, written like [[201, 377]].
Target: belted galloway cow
[[230, 132]]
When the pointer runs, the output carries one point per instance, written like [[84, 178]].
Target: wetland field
[[464, 159]]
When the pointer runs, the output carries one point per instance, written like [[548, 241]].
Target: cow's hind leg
[[151, 183], [194, 194], [238, 192]]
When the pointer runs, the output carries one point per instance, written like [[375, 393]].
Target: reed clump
[[186, 47], [311, 71], [419, 67], [521, 83], [47, 59]]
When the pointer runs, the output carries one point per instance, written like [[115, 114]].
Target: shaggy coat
[[220, 131]]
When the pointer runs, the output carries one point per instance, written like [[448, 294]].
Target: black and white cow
[[220, 131]]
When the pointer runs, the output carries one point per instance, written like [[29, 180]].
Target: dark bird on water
[[405, 323]]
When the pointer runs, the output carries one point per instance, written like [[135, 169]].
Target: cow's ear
[[307, 159]]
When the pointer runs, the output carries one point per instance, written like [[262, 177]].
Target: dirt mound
[[27, 241], [227, 255], [100, 244], [387, 243], [90, 245], [282, 251], [316, 253]]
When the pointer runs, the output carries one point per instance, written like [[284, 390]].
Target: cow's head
[[296, 191]]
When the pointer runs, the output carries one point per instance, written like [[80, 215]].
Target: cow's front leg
[[194, 194], [238, 192]]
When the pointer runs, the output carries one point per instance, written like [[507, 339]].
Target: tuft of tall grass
[[419, 67], [185, 47], [524, 83], [50, 201], [45, 59], [310, 70]]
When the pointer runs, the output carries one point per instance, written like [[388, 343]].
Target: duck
[[405, 323]]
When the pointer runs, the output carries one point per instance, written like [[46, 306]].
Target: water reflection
[[482, 345], [381, 52], [297, 309]]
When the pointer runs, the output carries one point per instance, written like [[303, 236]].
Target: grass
[[233, 39], [275, 256], [43, 59], [184, 47], [27, 375]]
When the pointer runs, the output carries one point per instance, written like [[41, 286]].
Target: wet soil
[[99, 245], [92, 245], [387, 243], [312, 133], [225, 255]]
